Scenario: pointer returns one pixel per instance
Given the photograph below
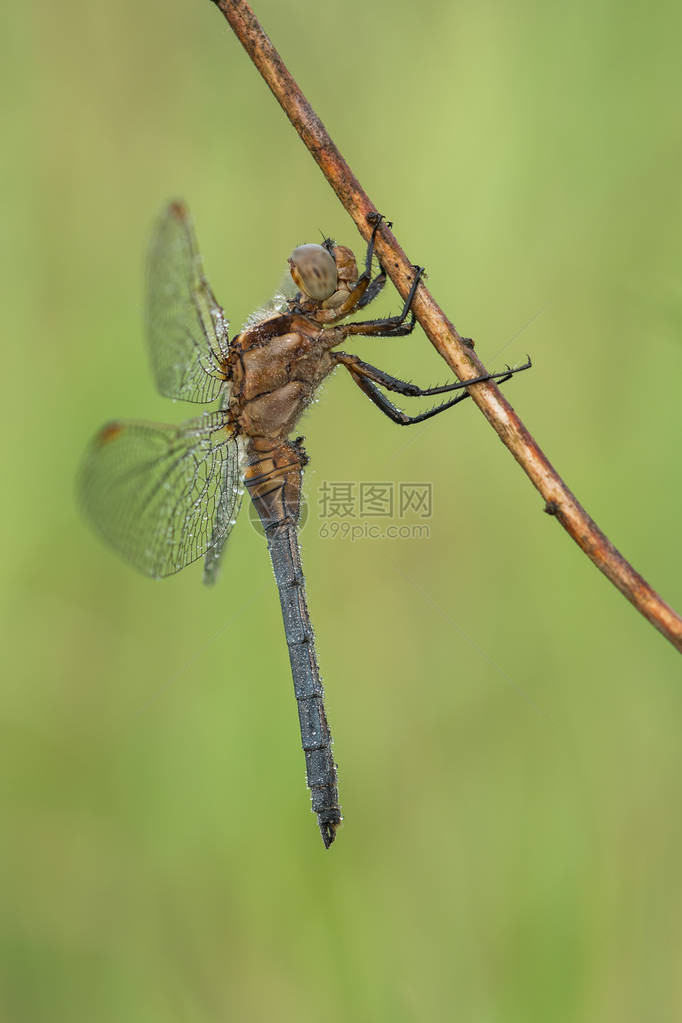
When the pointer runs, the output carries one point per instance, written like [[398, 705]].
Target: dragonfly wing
[[161, 496], [186, 330], [227, 511], [226, 516]]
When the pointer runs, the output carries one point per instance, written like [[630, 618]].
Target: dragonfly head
[[313, 270], [346, 267], [324, 273]]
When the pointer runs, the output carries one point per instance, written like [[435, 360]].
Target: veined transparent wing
[[186, 329], [226, 516], [276, 305], [162, 496]]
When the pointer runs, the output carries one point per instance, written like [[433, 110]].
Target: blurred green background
[[503, 858]]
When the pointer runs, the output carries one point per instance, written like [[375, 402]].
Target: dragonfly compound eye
[[314, 271]]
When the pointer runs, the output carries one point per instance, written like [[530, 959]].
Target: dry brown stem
[[559, 501]]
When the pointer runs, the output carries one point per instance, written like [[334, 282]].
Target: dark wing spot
[[110, 432], [178, 210]]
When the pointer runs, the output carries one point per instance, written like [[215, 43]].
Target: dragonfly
[[164, 496]]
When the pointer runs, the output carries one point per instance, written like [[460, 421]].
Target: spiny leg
[[389, 326], [392, 411], [368, 386], [377, 219], [391, 383], [373, 289], [375, 286], [377, 328], [356, 298]]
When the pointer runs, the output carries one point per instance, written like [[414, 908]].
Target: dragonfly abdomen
[[315, 735], [273, 479]]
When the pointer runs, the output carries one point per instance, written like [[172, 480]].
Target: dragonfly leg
[[392, 411], [377, 219], [373, 289], [365, 289], [389, 326], [375, 286], [367, 377], [379, 328], [391, 383]]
